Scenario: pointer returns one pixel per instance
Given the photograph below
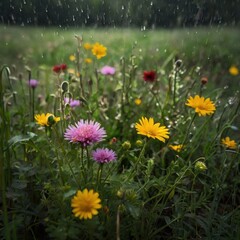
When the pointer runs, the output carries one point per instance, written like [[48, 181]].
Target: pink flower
[[104, 155], [33, 83], [86, 132], [72, 103], [107, 70]]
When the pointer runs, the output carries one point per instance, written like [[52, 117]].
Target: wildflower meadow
[[110, 136]]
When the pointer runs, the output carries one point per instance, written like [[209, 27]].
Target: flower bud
[[204, 80], [126, 145], [139, 143], [200, 166], [120, 193]]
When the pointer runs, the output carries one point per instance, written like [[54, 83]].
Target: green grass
[[207, 46]]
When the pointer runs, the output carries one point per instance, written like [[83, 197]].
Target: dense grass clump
[[109, 134]]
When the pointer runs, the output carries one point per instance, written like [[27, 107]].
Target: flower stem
[[99, 174], [136, 167], [189, 127], [33, 110]]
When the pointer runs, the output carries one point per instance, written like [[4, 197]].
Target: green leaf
[[69, 193], [134, 210], [21, 138]]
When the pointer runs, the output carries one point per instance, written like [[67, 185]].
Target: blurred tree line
[[126, 13]]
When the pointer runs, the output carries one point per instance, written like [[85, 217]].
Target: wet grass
[[208, 47]]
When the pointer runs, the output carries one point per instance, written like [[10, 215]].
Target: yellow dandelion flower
[[201, 105], [85, 204], [99, 50], [88, 60], [72, 58], [138, 101], [227, 142], [233, 70], [46, 119], [87, 46], [176, 148], [152, 130]]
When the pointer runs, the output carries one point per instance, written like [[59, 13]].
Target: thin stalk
[[135, 169], [82, 164], [99, 174], [79, 45], [33, 105], [118, 223], [98, 81], [188, 130], [29, 92]]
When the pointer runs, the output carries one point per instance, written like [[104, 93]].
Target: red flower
[[63, 66], [149, 76], [59, 68]]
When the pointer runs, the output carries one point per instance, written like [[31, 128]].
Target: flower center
[[86, 206], [201, 107], [151, 133]]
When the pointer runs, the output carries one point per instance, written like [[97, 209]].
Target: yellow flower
[[229, 143], [72, 58], [233, 70], [176, 148], [85, 204], [99, 50], [87, 46], [201, 105], [71, 71], [46, 119], [138, 101], [88, 60], [148, 128]]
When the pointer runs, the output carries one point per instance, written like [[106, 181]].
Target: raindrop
[[165, 50], [225, 87], [157, 50], [140, 50], [123, 7], [151, 3], [231, 101]]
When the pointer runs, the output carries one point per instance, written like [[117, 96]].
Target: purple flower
[[33, 83], [103, 155], [85, 132], [72, 103], [107, 70]]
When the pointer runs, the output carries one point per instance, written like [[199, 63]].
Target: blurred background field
[[213, 49]]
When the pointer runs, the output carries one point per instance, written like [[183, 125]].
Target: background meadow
[[183, 187]]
